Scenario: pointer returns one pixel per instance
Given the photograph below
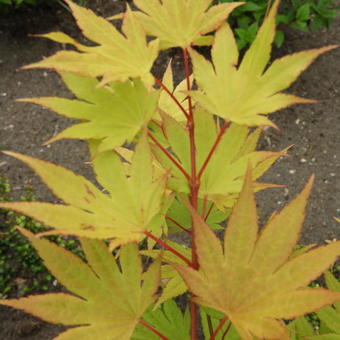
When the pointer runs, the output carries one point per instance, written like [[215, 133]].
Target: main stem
[[194, 188]]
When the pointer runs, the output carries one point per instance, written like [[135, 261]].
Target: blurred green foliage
[[22, 271], [304, 15]]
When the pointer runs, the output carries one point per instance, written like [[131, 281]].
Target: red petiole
[[153, 330], [158, 81], [219, 327], [168, 154], [166, 246], [178, 224], [213, 148]]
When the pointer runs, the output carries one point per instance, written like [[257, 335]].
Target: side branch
[[213, 148], [166, 246], [153, 330], [167, 153], [158, 81]]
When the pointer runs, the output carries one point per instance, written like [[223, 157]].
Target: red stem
[[194, 188], [187, 73], [213, 149], [178, 225], [219, 327], [153, 330], [158, 81], [166, 246], [166, 152]]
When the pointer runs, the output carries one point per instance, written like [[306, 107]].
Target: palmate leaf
[[109, 299], [114, 113], [182, 23], [168, 319], [171, 282], [221, 182], [253, 281], [210, 321], [330, 315], [246, 93], [132, 207], [114, 58], [178, 214]]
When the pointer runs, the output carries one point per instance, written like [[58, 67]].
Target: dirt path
[[313, 129]]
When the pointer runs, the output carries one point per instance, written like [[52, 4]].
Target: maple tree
[[172, 159]]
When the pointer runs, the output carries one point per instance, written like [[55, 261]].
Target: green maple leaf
[[221, 181], [109, 299], [330, 315], [172, 283], [254, 282], [114, 58], [114, 113], [168, 319], [182, 23], [210, 321], [133, 205], [245, 93]]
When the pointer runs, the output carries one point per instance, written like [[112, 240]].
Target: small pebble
[[286, 192], [292, 171]]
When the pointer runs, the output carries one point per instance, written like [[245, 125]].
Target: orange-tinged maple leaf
[[182, 23], [246, 93], [109, 299], [132, 206], [114, 58], [253, 281]]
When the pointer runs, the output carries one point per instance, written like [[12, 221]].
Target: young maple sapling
[[193, 167]]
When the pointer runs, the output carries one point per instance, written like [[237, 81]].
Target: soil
[[313, 129]]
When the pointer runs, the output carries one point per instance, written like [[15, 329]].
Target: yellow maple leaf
[[114, 113], [133, 205], [182, 23], [114, 58], [222, 178], [254, 281], [245, 93], [109, 299]]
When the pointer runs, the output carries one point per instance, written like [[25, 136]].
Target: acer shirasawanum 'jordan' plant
[[172, 160]]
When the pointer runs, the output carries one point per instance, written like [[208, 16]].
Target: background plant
[[22, 271], [304, 15], [149, 161]]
